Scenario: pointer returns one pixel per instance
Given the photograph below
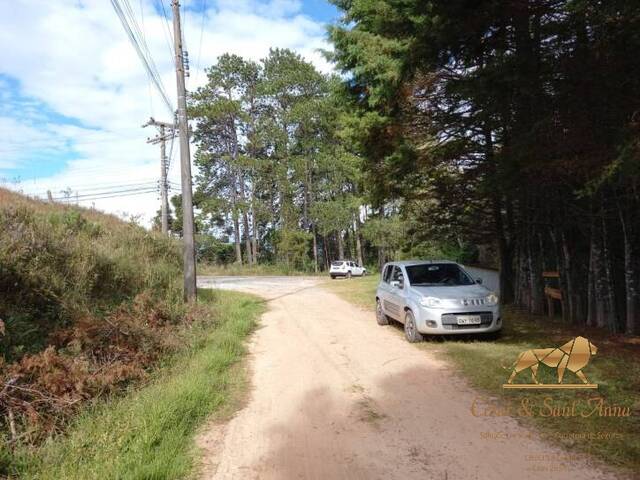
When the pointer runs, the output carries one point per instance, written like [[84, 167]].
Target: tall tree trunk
[[315, 248], [571, 299], [254, 227], [381, 258], [592, 302], [632, 295], [611, 320], [536, 305], [505, 254], [236, 236], [236, 223], [325, 252], [340, 245], [358, 240]]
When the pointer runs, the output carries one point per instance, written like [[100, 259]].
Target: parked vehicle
[[435, 297], [346, 268]]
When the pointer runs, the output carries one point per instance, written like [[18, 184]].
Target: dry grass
[[88, 305]]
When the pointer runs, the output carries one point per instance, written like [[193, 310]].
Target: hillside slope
[[87, 303]]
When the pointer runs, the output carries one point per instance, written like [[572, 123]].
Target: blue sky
[[73, 94]]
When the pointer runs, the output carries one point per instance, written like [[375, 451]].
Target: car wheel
[[364, 273], [410, 329], [381, 318], [333, 277], [348, 275]]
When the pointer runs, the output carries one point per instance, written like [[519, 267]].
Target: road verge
[[150, 432]]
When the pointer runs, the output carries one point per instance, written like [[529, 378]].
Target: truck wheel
[[381, 318], [410, 328]]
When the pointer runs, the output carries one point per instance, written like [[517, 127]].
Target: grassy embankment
[[104, 372], [233, 269], [486, 364], [149, 432]]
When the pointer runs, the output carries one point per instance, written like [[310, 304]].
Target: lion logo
[[573, 355]]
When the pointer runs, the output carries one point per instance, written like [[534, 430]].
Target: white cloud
[[75, 57]]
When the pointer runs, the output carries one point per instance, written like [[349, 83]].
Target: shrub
[[87, 305]]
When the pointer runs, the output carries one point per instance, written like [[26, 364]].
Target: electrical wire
[[204, 12], [109, 194], [140, 47], [73, 199], [107, 188], [167, 31]]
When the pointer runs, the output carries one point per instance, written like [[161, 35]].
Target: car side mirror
[[394, 283], [479, 281]]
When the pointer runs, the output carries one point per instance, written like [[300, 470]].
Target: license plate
[[469, 319]]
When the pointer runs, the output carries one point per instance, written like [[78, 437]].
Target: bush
[[87, 305]]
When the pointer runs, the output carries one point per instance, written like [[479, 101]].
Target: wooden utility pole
[[189, 256], [166, 131]]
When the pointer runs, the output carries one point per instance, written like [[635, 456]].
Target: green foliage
[[334, 215], [269, 154], [386, 232], [150, 432], [57, 266], [505, 127], [210, 250], [292, 248], [86, 306]]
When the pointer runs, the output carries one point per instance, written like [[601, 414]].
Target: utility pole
[[166, 131], [189, 256]]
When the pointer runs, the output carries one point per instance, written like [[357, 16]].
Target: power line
[[140, 47], [63, 144], [204, 11], [112, 194], [167, 30], [100, 188], [106, 197]]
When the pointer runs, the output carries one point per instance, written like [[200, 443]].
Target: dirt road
[[334, 396]]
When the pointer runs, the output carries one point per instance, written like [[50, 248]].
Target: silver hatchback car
[[435, 297]]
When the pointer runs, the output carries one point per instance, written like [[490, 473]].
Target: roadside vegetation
[[233, 269], [90, 308], [149, 433], [486, 365]]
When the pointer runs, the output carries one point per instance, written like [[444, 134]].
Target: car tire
[[333, 277], [348, 275], [410, 329], [381, 318]]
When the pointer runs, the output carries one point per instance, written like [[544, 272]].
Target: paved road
[[334, 396]]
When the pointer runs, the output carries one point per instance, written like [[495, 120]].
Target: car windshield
[[438, 275]]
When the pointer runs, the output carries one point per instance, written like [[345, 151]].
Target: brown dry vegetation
[[88, 304]]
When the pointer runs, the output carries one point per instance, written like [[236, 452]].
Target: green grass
[[486, 365], [360, 291], [234, 269], [149, 433]]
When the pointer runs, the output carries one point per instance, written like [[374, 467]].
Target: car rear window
[[336, 264]]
